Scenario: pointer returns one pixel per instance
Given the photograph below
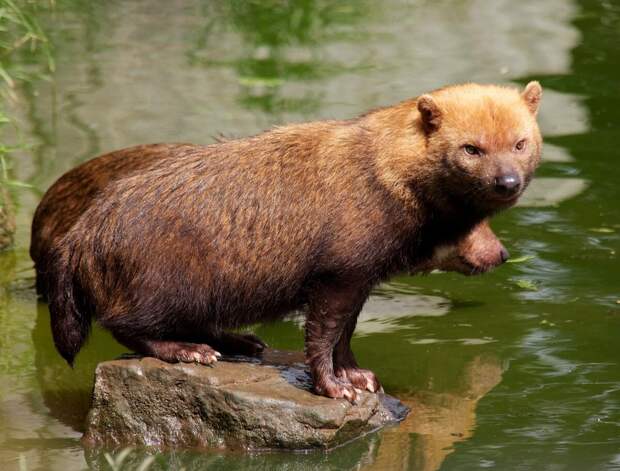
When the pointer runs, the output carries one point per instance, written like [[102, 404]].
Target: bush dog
[[169, 245]]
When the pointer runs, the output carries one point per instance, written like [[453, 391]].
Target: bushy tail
[[70, 322]]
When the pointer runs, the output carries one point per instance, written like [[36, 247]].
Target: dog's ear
[[532, 93], [430, 114]]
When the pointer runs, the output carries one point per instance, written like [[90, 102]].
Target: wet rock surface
[[237, 403]]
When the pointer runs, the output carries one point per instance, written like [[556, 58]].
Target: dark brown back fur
[[66, 200]]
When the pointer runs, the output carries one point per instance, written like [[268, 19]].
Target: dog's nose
[[507, 185]]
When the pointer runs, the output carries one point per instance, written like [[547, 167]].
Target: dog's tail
[[70, 321]]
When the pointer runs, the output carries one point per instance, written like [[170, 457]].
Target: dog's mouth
[[508, 200], [469, 268], [504, 200], [497, 203]]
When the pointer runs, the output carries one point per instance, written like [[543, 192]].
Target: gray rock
[[234, 404]]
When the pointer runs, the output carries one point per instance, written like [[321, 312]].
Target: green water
[[517, 369]]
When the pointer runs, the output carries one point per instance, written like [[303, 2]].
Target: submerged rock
[[233, 404]]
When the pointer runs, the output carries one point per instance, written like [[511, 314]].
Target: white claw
[[218, 354], [370, 386]]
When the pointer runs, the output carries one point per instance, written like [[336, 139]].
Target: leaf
[[146, 464], [522, 259], [260, 81], [6, 77], [602, 230], [16, 184], [119, 458], [109, 459], [526, 284]]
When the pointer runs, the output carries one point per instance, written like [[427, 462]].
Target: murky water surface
[[518, 369]]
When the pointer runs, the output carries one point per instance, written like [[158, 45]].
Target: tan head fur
[[478, 144], [486, 138]]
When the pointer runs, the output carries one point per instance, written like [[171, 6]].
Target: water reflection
[[66, 391], [129, 73], [275, 47], [552, 191], [386, 313], [27, 427], [438, 421]]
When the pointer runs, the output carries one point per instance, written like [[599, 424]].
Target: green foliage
[[19, 32]]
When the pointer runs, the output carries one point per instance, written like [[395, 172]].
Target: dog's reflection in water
[[437, 421]]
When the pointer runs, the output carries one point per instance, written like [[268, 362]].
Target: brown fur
[[167, 254], [74, 192], [66, 200], [478, 252]]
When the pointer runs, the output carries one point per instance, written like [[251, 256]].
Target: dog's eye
[[472, 150], [519, 146]]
